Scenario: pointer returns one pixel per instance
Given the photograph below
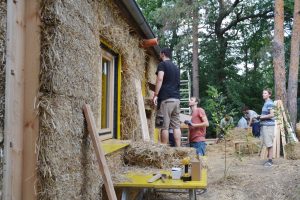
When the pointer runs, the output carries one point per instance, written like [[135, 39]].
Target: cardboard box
[[196, 170]]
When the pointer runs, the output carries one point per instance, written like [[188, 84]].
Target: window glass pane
[[106, 67]]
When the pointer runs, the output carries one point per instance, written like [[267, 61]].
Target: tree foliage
[[235, 43]]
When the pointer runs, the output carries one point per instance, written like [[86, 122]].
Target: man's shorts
[[200, 147], [170, 110], [267, 135]]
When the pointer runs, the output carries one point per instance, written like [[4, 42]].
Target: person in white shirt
[[251, 117], [242, 123]]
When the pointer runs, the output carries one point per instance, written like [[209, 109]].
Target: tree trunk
[[294, 65], [195, 63], [221, 58], [278, 53]]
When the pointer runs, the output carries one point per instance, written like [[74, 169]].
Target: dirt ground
[[247, 178]]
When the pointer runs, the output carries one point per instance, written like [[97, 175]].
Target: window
[[109, 112]]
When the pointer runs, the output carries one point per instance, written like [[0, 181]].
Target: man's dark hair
[[167, 52], [245, 108]]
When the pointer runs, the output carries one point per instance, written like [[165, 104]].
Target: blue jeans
[[200, 147], [256, 129]]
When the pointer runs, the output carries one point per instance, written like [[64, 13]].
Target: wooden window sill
[[112, 145]]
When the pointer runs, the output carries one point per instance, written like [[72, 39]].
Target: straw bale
[[292, 151], [237, 134], [148, 154], [151, 69], [151, 77], [67, 168], [71, 76], [298, 130], [70, 47], [2, 82]]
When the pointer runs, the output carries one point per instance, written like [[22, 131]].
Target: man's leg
[[270, 153], [165, 136], [177, 137]]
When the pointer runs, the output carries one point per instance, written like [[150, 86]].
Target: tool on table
[[186, 176], [158, 176]]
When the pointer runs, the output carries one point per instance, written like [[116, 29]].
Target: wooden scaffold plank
[[142, 112], [109, 187]]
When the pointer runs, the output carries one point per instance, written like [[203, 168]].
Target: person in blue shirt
[[267, 125]]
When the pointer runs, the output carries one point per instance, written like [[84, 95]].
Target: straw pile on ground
[[2, 80], [292, 151], [148, 154]]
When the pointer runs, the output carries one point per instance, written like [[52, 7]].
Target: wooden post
[[14, 101], [142, 113], [109, 187], [22, 72]]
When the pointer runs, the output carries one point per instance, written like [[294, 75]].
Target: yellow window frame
[[119, 86]]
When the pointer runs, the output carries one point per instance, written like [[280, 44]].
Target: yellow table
[[140, 181]]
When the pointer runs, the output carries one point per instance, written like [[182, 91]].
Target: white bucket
[[176, 173]]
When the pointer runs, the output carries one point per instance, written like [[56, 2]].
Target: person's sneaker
[[268, 164]]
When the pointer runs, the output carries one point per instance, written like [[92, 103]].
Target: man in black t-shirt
[[166, 96]]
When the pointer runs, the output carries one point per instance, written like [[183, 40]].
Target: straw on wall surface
[[70, 76], [151, 77], [67, 167], [117, 33], [2, 82]]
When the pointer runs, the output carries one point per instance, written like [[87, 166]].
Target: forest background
[[229, 48]]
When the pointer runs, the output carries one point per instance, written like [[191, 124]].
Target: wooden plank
[[283, 138], [154, 178], [277, 128], [14, 101], [31, 87], [142, 113], [109, 187], [274, 144], [288, 125]]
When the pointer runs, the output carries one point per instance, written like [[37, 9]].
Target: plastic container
[[176, 173]]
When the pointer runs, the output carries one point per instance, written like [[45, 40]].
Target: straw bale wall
[[67, 168], [70, 76], [116, 32], [151, 77], [2, 81]]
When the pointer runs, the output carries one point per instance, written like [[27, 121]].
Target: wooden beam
[[14, 101], [141, 109], [287, 122], [31, 87], [99, 152]]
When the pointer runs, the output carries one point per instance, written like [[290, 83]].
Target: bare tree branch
[[240, 19]]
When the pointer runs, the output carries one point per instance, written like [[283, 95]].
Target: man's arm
[[269, 116], [250, 121], [159, 80], [205, 123]]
